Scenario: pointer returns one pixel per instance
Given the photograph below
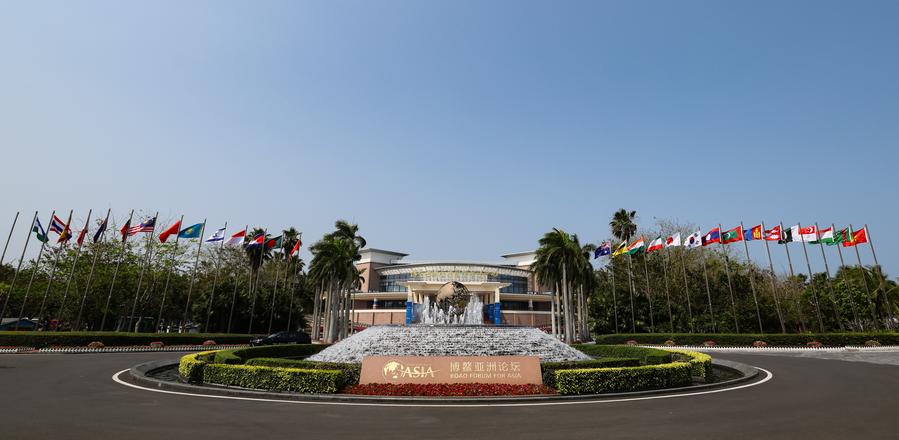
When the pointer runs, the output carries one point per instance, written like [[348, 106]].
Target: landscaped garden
[[612, 369]]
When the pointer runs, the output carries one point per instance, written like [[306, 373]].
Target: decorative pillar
[[408, 305], [497, 315]]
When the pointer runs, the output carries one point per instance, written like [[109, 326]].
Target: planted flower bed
[[448, 390]]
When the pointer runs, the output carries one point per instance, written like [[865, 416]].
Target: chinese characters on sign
[[451, 369]]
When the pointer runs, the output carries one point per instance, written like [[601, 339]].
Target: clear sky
[[457, 129]]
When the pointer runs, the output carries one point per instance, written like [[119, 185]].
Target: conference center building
[[394, 289]]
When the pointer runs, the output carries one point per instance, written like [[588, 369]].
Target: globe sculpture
[[452, 298]]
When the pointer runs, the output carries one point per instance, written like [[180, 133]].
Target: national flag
[[620, 249], [732, 235], [237, 238], [841, 236], [217, 236], [56, 225], [66, 234], [857, 237], [825, 236], [274, 243], [637, 246], [786, 235], [257, 241], [81, 235], [713, 236], [605, 248], [655, 245], [125, 230], [808, 234], [755, 233], [192, 231], [774, 234], [146, 226], [296, 247], [169, 231], [101, 229], [694, 240], [673, 240], [39, 231]]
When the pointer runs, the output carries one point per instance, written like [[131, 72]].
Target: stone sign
[[519, 370]]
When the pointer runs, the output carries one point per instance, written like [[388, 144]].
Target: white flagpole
[[614, 292], [872, 304], [848, 236], [65, 294], [15, 276], [874, 254], [143, 268], [60, 250], [115, 273], [9, 237], [809, 265], [90, 276], [255, 288], [215, 277], [193, 276], [683, 263], [667, 290], [630, 279], [730, 284], [648, 289], [34, 270], [792, 274], [234, 294], [755, 298], [168, 275], [271, 315], [783, 327], [836, 308], [708, 290]]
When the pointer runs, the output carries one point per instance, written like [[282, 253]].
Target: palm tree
[[587, 282], [558, 253], [334, 269], [624, 228]]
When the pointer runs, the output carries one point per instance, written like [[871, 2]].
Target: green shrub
[[746, 339], [112, 339], [646, 356], [350, 371], [274, 379], [549, 369], [241, 355], [700, 363], [191, 366], [612, 380]]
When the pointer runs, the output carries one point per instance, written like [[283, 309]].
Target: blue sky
[[454, 130]]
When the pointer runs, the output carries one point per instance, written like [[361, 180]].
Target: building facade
[[393, 288]]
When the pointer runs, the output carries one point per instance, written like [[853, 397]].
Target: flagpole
[[90, 276], [193, 276], [34, 270], [292, 290], [730, 285], [256, 281], [755, 298], [234, 294], [836, 308], [848, 280], [809, 265], [15, 276], [667, 290], [9, 237], [168, 275], [867, 234], [708, 290], [144, 266], [215, 277], [65, 230], [792, 274], [65, 294], [115, 273], [783, 328], [630, 282], [614, 291], [271, 315], [648, 292], [683, 262], [874, 254], [865, 279]]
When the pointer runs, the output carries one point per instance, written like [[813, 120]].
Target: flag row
[[64, 232], [808, 234]]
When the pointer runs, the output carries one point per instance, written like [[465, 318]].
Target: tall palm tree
[[333, 267], [587, 282], [561, 251], [624, 228]]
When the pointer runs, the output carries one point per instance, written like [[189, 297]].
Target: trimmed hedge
[[700, 363], [191, 366], [611, 380], [241, 355], [549, 369], [274, 379], [646, 356], [746, 339], [113, 339], [350, 371]]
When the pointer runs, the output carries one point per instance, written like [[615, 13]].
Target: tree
[[559, 253]]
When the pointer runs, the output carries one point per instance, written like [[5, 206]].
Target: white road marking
[[768, 377]]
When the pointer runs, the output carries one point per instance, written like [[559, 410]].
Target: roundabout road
[[73, 396]]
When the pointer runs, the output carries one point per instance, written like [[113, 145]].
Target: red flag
[[773, 234], [296, 247], [66, 234], [81, 235], [856, 237], [713, 236], [732, 235], [756, 233], [164, 235], [125, 229]]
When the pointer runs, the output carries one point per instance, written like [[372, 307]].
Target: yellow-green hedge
[[623, 379], [191, 366], [274, 378], [700, 363]]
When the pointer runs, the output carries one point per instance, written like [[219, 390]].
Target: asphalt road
[[48, 396]]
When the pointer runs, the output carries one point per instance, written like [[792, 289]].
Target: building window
[[513, 305]]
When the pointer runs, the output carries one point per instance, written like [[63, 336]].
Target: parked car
[[283, 338]]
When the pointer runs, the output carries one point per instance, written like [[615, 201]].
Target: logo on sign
[[394, 370]]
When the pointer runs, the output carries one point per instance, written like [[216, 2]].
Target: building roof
[[382, 251]]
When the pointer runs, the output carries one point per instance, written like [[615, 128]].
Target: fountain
[[451, 325]]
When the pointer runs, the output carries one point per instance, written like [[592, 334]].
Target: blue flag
[[604, 249], [191, 231]]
